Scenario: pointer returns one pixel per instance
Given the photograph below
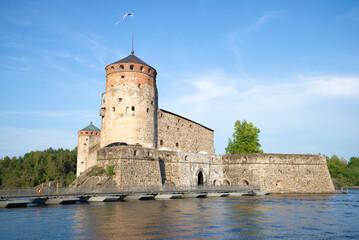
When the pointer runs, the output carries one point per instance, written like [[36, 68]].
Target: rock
[[93, 177]]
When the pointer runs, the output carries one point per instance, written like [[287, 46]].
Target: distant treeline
[[346, 173], [38, 167]]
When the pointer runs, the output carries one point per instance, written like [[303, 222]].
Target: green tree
[[245, 139], [347, 174], [38, 167], [353, 162], [353, 168]]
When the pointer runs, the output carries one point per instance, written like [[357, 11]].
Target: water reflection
[[286, 217]]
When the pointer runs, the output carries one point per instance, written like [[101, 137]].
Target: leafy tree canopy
[[347, 174], [245, 139], [38, 167]]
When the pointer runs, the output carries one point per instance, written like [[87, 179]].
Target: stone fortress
[[152, 147]]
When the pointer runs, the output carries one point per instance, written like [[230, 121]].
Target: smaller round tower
[[88, 142]]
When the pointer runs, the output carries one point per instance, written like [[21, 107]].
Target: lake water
[[260, 217]]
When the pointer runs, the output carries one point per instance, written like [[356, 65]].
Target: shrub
[[110, 171]]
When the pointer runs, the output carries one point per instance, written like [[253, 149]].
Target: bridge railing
[[119, 190]]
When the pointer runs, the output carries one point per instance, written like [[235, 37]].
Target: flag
[[124, 16]]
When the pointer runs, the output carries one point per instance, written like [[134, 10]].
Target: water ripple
[[262, 217]]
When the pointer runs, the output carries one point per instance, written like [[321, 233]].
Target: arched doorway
[[200, 178]]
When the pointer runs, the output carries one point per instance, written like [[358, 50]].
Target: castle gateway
[[151, 146]]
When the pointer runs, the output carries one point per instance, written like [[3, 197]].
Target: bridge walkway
[[39, 192]]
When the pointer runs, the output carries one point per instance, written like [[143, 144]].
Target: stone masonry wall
[[272, 172], [281, 173], [129, 105], [178, 133]]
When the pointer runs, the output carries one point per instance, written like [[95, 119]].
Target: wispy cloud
[[76, 58], [52, 114], [244, 31], [333, 86], [94, 44], [7, 66], [216, 84], [352, 14], [7, 44], [207, 87], [81, 79], [18, 141], [298, 108], [23, 22], [266, 17], [217, 93]]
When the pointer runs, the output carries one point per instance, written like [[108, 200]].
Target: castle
[[151, 146]]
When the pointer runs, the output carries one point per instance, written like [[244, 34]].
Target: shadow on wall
[[162, 171]]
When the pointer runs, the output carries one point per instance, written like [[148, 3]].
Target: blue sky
[[289, 67]]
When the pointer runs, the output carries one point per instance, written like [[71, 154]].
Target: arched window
[[244, 182], [226, 182], [132, 66], [161, 142]]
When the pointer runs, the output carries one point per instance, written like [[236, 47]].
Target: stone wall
[[272, 172], [279, 172], [178, 133], [133, 166]]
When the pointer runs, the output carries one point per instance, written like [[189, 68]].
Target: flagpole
[[124, 16], [132, 52]]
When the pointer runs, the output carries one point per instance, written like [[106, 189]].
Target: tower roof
[[91, 128], [131, 59]]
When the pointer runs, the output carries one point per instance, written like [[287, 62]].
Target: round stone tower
[[88, 143], [129, 105]]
